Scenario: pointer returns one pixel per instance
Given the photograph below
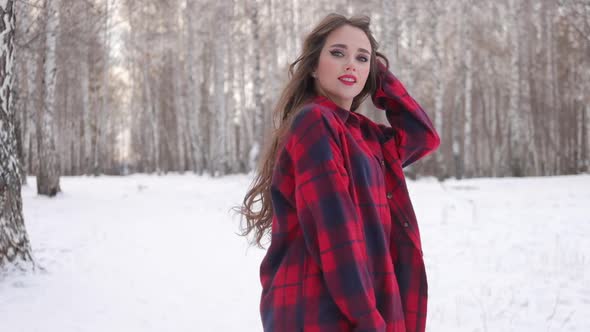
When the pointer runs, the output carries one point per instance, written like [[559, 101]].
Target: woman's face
[[343, 65]]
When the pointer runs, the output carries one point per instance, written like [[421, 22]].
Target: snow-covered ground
[[148, 253]]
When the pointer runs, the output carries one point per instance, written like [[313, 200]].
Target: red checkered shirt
[[345, 251]]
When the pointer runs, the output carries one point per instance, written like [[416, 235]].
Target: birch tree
[[219, 111], [516, 128], [507, 94], [194, 74], [48, 176], [14, 242], [467, 95], [437, 32]]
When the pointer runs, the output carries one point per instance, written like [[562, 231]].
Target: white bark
[[104, 118], [258, 86], [232, 111], [439, 84], [179, 108], [468, 49], [219, 111], [48, 177], [514, 114], [85, 137], [14, 242], [194, 91], [23, 82], [242, 116], [151, 111]]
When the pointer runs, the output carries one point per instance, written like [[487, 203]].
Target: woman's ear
[[314, 72]]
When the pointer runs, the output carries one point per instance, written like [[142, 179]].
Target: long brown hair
[[256, 207]]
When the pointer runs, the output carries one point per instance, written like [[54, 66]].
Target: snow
[[149, 253]]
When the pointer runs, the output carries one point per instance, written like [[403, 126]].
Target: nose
[[350, 67]]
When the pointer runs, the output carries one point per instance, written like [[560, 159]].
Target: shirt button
[[389, 195], [406, 224], [382, 162]]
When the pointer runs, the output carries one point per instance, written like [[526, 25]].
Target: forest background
[[156, 86]]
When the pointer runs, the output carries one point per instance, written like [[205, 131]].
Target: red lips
[[348, 79]]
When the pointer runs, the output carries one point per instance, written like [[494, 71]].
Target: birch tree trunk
[[232, 116], [243, 115], [219, 111], [194, 91], [150, 108], [48, 174], [467, 95], [439, 84], [21, 84], [253, 12], [514, 112], [179, 107], [85, 146], [100, 157], [14, 241]]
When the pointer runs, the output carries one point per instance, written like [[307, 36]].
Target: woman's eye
[[363, 59], [336, 53]]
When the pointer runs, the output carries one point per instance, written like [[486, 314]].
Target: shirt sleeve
[[329, 220], [412, 131]]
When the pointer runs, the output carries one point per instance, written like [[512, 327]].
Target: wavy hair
[[256, 207]]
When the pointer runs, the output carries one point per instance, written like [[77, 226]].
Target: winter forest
[[160, 89], [126, 86]]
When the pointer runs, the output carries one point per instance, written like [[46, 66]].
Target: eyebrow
[[345, 47]]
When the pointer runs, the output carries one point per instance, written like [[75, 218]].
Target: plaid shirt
[[345, 252]]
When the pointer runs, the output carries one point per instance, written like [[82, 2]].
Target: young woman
[[345, 252]]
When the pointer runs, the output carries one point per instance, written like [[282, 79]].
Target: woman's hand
[[384, 80]]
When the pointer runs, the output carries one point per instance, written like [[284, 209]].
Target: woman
[[345, 252]]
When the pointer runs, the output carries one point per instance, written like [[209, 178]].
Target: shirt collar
[[342, 113]]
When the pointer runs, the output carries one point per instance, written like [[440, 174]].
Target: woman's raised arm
[[413, 135]]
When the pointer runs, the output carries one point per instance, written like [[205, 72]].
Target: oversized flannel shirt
[[345, 251]]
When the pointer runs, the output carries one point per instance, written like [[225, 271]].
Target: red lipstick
[[348, 79]]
